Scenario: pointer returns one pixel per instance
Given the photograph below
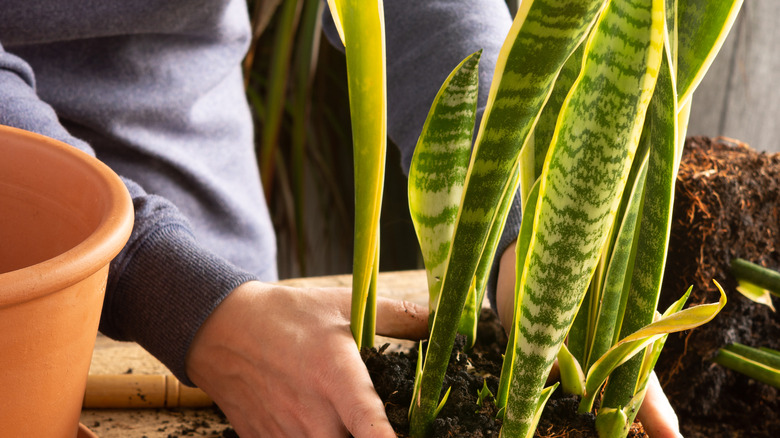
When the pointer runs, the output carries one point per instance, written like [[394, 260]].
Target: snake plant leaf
[[542, 37], [770, 351], [470, 315], [484, 394], [275, 98], [549, 117], [755, 293], [756, 274], [443, 401], [363, 25], [654, 351], [439, 166], [615, 423], [702, 26], [417, 374], [582, 181], [572, 376], [748, 366], [620, 268], [607, 294], [543, 397], [523, 240], [769, 358], [611, 423], [631, 345], [653, 238]]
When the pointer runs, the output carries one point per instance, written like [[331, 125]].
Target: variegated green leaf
[[619, 270], [702, 26], [582, 182], [439, 167], [607, 293], [543, 397], [541, 39], [631, 345], [363, 25], [549, 117], [523, 240], [471, 310], [656, 220]]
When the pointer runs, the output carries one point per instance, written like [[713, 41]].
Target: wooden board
[[112, 357]]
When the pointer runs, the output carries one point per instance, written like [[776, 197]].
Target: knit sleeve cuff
[[168, 286]]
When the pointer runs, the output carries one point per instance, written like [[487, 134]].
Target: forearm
[[163, 285]]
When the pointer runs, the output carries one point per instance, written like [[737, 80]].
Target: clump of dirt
[[727, 205], [393, 377]]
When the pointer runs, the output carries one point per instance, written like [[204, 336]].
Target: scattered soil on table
[[393, 377], [727, 205]]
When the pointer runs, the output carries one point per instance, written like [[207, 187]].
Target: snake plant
[[586, 113], [615, 119]]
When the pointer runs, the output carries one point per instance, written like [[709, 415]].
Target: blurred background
[[297, 87]]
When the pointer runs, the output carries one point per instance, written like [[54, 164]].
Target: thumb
[[401, 319]]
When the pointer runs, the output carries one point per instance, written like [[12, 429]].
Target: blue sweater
[[154, 89]]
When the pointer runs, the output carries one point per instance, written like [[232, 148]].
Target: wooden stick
[[141, 391]]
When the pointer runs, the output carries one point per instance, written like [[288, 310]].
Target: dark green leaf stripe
[[439, 166], [582, 182], [541, 39]]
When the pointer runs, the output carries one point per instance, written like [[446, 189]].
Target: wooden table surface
[[112, 357]]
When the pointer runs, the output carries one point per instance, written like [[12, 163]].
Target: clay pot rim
[[95, 251]]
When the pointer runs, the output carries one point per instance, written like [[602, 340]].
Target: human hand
[[656, 414], [282, 361]]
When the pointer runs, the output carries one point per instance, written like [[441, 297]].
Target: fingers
[[401, 319], [656, 414], [354, 398]]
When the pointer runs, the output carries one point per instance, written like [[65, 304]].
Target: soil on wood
[[727, 205], [393, 377]]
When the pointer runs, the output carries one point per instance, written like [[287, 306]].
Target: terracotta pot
[[63, 216]]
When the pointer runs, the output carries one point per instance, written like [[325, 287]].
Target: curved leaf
[[439, 166], [636, 342]]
